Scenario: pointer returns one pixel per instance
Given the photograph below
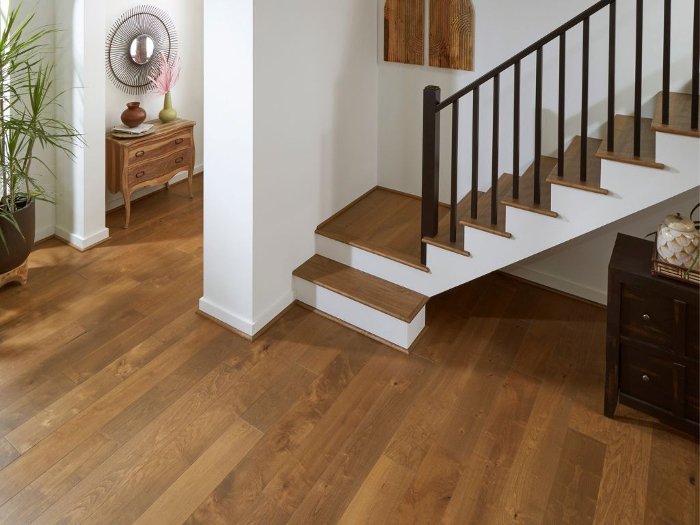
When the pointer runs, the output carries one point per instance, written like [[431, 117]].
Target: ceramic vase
[[677, 242], [168, 114], [134, 115]]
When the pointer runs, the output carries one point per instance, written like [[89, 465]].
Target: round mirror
[[142, 49]]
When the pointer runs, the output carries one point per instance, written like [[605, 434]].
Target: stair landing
[[382, 221]]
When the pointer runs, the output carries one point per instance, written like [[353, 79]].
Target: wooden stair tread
[[483, 218], [389, 298], [679, 115], [384, 222], [442, 239], [572, 167], [624, 143], [526, 199]]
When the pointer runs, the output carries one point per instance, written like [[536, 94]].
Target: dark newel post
[[696, 66], [611, 76], [431, 165]]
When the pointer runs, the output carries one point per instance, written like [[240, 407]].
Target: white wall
[[314, 125], [187, 94], [80, 182], [45, 211], [316, 92], [228, 187]]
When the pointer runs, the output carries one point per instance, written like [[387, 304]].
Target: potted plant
[[27, 125]]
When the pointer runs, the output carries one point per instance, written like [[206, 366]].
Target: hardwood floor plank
[[8, 453], [185, 494], [56, 481], [672, 492], [70, 435], [577, 481], [377, 498], [234, 496], [332, 488]]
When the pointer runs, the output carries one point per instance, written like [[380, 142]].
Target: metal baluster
[[538, 127], [638, 81], [696, 66], [455, 152], [516, 131], [475, 153], [584, 100], [665, 102], [611, 76], [494, 150], [562, 105]]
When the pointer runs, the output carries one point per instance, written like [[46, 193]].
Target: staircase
[[382, 257]]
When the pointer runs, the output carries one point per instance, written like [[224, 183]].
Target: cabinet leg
[[190, 180], [127, 210]]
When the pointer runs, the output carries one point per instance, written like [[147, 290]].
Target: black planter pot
[[18, 246]]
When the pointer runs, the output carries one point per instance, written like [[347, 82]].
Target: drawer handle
[[646, 317], [179, 160], [140, 153], [179, 141], [140, 174], [645, 378]]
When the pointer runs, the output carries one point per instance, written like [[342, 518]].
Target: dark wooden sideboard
[[151, 160], [652, 339]]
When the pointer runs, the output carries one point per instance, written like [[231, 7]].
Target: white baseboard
[[82, 243], [559, 283], [221, 314], [115, 200], [44, 232], [272, 311]]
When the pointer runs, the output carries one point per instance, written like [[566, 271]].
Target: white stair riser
[[379, 324]]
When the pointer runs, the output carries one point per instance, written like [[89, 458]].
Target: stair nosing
[[485, 229], [407, 319], [438, 244]]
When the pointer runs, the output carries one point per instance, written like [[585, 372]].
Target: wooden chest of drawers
[[150, 161], [652, 339]]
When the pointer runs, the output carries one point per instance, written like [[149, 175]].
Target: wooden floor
[[120, 405]]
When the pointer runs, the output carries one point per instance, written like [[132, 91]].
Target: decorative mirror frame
[[122, 69]]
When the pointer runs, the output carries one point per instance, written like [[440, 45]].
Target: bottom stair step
[[378, 308]]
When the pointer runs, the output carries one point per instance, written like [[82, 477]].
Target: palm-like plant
[[27, 123]]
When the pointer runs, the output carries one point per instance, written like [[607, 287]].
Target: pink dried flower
[[167, 76]]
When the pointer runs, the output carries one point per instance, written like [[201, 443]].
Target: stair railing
[[433, 106]]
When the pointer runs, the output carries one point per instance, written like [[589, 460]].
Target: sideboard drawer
[[647, 317], [159, 168], [158, 147], [647, 376]]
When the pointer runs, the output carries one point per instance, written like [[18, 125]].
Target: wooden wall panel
[[404, 31], [452, 34]]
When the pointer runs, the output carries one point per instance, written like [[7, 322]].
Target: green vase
[[168, 114]]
